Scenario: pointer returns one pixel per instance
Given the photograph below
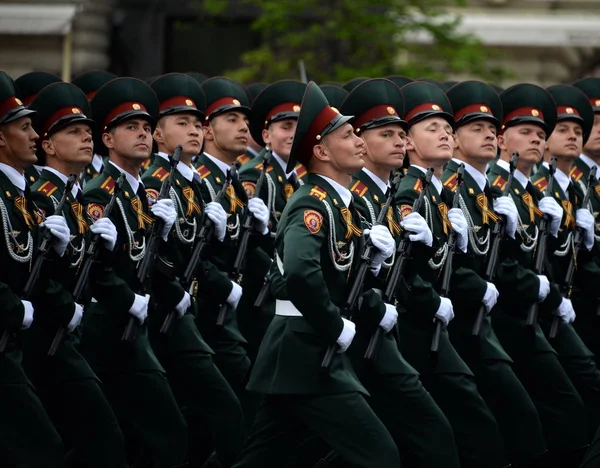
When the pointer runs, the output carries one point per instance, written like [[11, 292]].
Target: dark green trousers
[[154, 428], [27, 437], [344, 421]]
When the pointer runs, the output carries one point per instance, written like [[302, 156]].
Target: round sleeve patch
[[405, 210], [152, 196], [313, 220], [96, 211], [249, 187]]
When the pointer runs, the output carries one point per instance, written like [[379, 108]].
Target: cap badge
[[189, 102], [76, 110], [484, 109], [535, 112], [569, 110], [391, 110], [136, 106], [436, 107], [334, 109], [597, 102], [18, 101], [236, 102], [296, 108]]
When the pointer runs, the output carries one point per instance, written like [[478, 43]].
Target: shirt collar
[[521, 178], [97, 162], [589, 162], [220, 164], [342, 191], [563, 180], [545, 164], [434, 180], [283, 164], [480, 178], [16, 178], [186, 171], [64, 178], [380, 183], [134, 182]]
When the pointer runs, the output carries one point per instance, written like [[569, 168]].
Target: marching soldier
[[210, 403], [478, 115], [445, 375], [90, 82], [530, 115], [575, 119], [397, 396], [67, 385], [317, 248], [133, 380], [274, 116]]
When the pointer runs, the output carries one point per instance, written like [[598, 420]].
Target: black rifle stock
[[144, 271], [447, 274], [566, 287], [91, 255], [540, 253], [42, 250], [498, 234], [203, 237]]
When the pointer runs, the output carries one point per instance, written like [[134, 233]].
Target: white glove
[[585, 220], [416, 224], [260, 212], [389, 319], [459, 226], [217, 215], [27, 314], [346, 336], [234, 296], [445, 312], [383, 241], [549, 206], [139, 308], [165, 210], [565, 311], [107, 230], [76, 319], [544, 287], [184, 304], [60, 232], [491, 297], [506, 206]]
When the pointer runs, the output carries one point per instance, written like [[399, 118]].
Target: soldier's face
[[527, 139], [279, 137], [71, 145], [131, 139], [431, 141], [229, 133], [386, 145], [566, 141], [180, 129], [17, 143], [476, 141], [344, 150], [592, 146]]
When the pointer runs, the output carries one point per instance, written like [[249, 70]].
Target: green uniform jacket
[[417, 293], [211, 285], [50, 314], [113, 285], [369, 201], [511, 310], [313, 270]]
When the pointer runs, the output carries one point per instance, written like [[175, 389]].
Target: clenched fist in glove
[[416, 224], [460, 227], [165, 210], [506, 207], [260, 212], [549, 206], [217, 215]]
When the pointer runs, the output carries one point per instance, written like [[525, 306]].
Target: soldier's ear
[[208, 132], [502, 142], [48, 147], [266, 136], [108, 140], [2, 138], [410, 144], [321, 153], [157, 135]]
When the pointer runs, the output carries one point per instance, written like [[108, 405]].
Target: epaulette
[[359, 188], [259, 166], [540, 184], [418, 186], [499, 182], [161, 174], [47, 188], [318, 192], [301, 171], [203, 171], [451, 182], [146, 163], [243, 159], [108, 185], [576, 173]]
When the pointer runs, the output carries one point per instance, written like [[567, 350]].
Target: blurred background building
[[540, 41]]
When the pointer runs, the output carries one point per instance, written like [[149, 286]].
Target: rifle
[[445, 288], [91, 255], [43, 249], [498, 234], [363, 267], [144, 271], [236, 273], [203, 237], [540, 253], [566, 287]]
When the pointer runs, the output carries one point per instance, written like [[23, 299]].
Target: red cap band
[[59, 114], [428, 106], [473, 109], [177, 101], [224, 101], [524, 112], [9, 104], [310, 138], [382, 110], [285, 107], [121, 108], [567, 110]]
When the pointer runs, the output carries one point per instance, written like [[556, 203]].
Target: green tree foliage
[[341, 39]]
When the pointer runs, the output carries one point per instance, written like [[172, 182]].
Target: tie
[[351, 228], [486, 213]]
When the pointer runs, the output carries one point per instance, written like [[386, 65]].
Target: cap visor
[[477, 116], [19, 114], [527, 119], [337, 124], [131, 115], [231, 107], [428, 114], [182, 110], [391, 120]]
